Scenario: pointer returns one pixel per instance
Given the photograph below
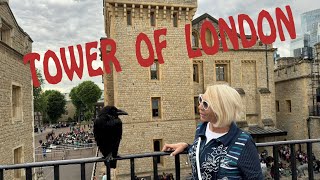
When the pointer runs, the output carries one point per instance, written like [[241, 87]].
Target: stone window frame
[[195, 38], [289, 106], [175, 19], [227, 74], [19, 116], [153, 19], [159, 108], [277, 106], [195, 76], [6, 32], [18, 173], [208, 38], [160, 160], [129, 17], [156, 63]]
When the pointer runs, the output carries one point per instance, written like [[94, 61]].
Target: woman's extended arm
[[176, 148]]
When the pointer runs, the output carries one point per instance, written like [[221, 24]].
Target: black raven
[[107, 131]]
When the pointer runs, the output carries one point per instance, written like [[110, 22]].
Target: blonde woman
[[220, 150]]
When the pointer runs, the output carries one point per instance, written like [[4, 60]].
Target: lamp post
[[316, 60], [267, 65]]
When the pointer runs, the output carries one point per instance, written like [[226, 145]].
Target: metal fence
[[28, 167], [293, 159]]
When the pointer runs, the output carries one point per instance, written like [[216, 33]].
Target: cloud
[[224, 9], [53, 24]]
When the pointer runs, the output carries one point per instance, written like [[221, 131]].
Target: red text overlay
[[283, 20]]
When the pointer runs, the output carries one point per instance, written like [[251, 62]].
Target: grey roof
[[206, 15], [264, 90], [257, 131]]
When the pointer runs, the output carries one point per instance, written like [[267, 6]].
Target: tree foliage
[[75, 99], [38, 100], [84, 96], [48, 92], [89, 93], [55, 104]]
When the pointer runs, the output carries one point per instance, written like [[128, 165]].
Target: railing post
[[155, 168], [276, 162], [28, 173], [293, 162], [310, 160], [56, 172], [83, 171], [108, 170], [132, 168], [1, 174], [177, 164]]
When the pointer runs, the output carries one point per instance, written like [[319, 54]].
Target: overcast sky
[[53, 24]]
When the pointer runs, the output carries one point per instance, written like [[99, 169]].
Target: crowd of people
[[267, 162], [76, 137]]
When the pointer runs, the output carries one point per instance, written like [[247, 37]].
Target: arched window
[[208, 37], [195, 39]]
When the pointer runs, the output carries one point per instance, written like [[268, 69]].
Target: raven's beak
[[121, 112]]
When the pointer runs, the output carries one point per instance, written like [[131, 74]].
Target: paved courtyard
[[67, 172]]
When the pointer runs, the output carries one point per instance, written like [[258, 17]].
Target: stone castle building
[[162, 99], [298, 98], [16, 118]]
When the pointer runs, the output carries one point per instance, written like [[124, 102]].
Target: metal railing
[[293, 159], [56, 164]]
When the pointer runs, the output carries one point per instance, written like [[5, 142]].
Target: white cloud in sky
[[53, 24], [225, 8]]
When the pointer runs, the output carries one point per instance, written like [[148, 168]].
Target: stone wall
[[293, 84], [16, 132], [132, 88]]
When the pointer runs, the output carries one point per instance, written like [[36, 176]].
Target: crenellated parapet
[[137, 10], [174, 12], [185, 3]]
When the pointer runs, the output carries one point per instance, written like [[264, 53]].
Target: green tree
[[84, 96], [38, 101], [89, 93], [55, 105], [48, 92], [88, 115], [76, 101], [44, 104]]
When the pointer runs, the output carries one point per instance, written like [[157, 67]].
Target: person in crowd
[[301, 169], [104, 177]]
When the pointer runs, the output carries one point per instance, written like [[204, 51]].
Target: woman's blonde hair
[[225, 102]]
